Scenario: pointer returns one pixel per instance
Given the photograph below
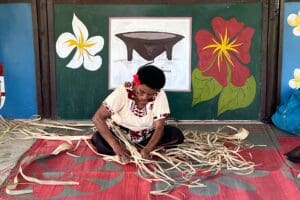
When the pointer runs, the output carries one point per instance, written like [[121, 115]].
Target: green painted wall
[[79, 92]]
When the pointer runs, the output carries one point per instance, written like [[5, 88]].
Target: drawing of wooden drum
[[149, 44]]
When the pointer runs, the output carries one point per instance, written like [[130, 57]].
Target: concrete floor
[[10, 152]]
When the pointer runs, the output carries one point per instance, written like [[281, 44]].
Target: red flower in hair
[[136, 80]]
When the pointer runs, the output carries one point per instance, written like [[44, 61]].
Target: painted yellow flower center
[[223, 47], [297, 20], [80, 43], [297, 80]]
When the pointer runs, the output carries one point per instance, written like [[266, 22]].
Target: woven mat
[[274, 177]]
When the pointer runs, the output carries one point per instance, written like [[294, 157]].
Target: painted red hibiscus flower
[[224, 54]]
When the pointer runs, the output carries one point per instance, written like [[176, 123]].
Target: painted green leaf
[[204, 88], [232, 98]]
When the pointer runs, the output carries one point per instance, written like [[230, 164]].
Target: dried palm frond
[[208, 152], [35, 127], [30, 129], [201, 153]]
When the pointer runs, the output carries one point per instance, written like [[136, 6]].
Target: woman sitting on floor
[[140, 108]]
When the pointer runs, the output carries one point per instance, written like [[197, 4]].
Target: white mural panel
[[136, 41]]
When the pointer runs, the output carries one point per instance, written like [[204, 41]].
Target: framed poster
[[162, 41]]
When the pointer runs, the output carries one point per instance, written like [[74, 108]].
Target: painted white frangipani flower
[[86, 48], [295, 82], [294, 20]]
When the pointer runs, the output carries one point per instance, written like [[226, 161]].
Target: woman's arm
[[155, 138], [99, 119]]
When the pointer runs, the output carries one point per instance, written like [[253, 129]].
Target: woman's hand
[[145, 153], [122, 153]]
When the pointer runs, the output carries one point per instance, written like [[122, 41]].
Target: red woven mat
[[273, 179]]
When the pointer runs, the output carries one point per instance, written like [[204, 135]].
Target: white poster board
[[141, 37]]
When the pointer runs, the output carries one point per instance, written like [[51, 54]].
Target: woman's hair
[[152, 76]]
